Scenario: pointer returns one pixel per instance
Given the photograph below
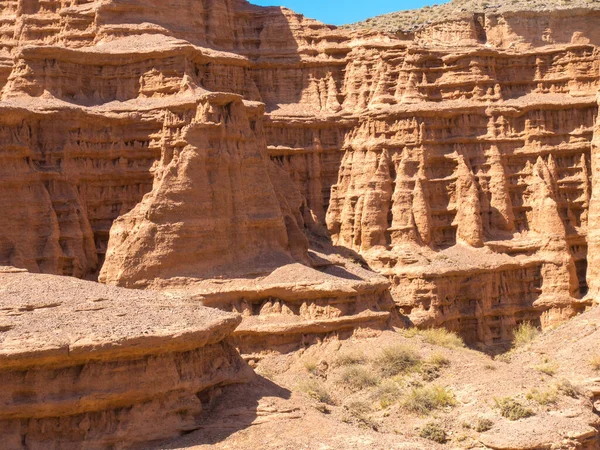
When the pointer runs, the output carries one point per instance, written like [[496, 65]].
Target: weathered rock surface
[[233, 142], [557, 364], [83, 362]]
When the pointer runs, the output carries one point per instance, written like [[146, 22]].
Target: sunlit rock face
[[216, 150]]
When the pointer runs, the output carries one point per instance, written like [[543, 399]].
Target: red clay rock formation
[[221, 144], [83, 362]]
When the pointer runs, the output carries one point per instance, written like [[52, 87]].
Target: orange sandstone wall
[[233, 140]]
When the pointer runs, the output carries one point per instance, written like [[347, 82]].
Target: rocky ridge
[[409, 21]]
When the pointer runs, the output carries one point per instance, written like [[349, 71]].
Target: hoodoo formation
[[311, 182]]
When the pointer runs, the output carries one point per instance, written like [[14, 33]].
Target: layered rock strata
[[225, 144], [82, 362]]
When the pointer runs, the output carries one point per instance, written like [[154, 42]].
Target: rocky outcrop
[[83, 362], [214, 210]]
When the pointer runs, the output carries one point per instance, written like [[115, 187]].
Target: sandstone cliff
[[227, 145]]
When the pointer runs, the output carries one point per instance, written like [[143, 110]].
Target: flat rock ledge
[[84, 362]]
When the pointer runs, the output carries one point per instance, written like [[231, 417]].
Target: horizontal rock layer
[[82, 362]]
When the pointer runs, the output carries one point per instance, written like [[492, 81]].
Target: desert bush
[[349, 359], [484, 425], [316, 390], [434, 432], [397, 360], [438, 360], [437, 336], [310, 366], [524, 335], [512, 409], [595, 362], [358, 377], [423, 400], [547, 367], [387, 393], [567, 388], [543, 397], [443, 338]]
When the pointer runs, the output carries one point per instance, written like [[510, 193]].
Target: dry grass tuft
[[547, 367], [524, 335], [512, 409], [310, 366], [396, 360], [423, 400], [567, 388], [360, 412], [437, 336], [543, 397], [387, 393], [438, 360], [349, 359], [358, 377], [316, 390], [595, 362]]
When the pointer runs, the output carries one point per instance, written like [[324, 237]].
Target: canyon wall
[[248, 157]]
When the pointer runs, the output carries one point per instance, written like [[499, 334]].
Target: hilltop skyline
[[341, 12]]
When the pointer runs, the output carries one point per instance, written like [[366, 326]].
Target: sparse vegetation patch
[[543, 396], [349, 358], [413, 20], [316, 390], [524, 335], [434, 432], [437, 336], [423, 400], [484, 425], [397, 360], [512, 409], [358, 377]]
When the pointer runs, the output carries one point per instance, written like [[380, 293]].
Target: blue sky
[[339, 12]]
